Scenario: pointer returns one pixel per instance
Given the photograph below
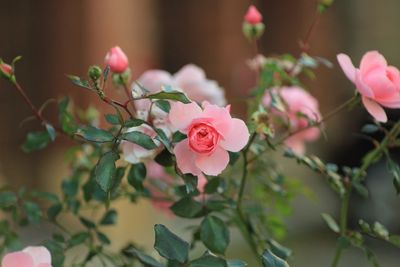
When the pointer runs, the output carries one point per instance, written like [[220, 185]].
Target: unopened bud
[[94, 72], [121, 79], [253, 16], [5, 70], [117, 60], [253, 32]]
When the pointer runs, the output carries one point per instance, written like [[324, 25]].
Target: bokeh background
[[59, 37]]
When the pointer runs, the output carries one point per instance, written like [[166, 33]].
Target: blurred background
[[59, 37]]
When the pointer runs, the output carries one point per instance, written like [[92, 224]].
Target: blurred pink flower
[[301, 107], [253, 16], [117, 60], [211, 132], [190, 79], [378, 83], [29, 257]]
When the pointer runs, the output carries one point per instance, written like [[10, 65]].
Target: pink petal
[[44, 265], [374, 109], [237, 137], [181, 115], [362, 87], [296, 145], [188, 74], [17, 259], [185, 158], [378, 81], [39, 254], [221, 118], [214, 163], [392, 101], [372, 60], [153, 80], [347, 66]]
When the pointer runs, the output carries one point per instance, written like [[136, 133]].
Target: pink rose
[[211, 132], [297, 101], [253, 16], [29, 257], [378, 83], [117, 60]]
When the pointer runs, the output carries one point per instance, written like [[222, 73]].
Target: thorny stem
[[345, 200]]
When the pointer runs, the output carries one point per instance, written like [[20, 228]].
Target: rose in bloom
[[117, 60], [300, 108], [29, 257], [211, 132], [378, 83], [253, 16]]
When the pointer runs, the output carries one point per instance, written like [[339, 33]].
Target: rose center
[[203, 138]]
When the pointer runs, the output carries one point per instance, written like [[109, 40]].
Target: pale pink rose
[[253, 16], [297, 101], [6, 69], [134, 153], [192, 80], [378, 83], [117, 60], [211, 132], [29, 257]]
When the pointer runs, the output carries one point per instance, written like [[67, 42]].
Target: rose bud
[[253, 27], [117, 60], [253, 16]]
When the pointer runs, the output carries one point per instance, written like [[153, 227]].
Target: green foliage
[[269, 259], [106, 170], [140, 139], [169, 245], [36, 141], [214, 234]]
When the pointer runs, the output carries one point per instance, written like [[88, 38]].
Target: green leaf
[[7, 199], [236, 263], [163, 105], [103, 238], [45, 196], [233, 157], [33, 212], [87, 223], [178, 136], [169, 245], [360, 189], [57, 253], [395, 240], [269, 259], [279, 250], [370, 128], [105, 170], [187, 207], [163, 138], [212, 185], [208, 260], [395, 171], [54, 211], [331, 222], [109, 218], [94, 134], [136, 176], [170, 95], [112, 119], [146, 260], [36, 141], [70, 187], [78, 239], [134, 123], [164, 158], [214, 234], [190, 182], [140, 139], [79, 82]]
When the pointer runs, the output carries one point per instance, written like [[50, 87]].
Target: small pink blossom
[[301, 106], [5, 68], [117, 60], [211, 131], [29, 257], [253, 16], [378, 83]]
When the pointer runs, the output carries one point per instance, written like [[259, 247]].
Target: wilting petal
[[237, 137], [214, 163], [347, 66], [374, 109], [185, 158], [372, 60], [17, 259], [181, 115], [362, 87]]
